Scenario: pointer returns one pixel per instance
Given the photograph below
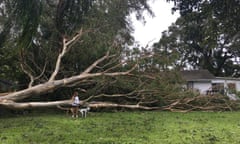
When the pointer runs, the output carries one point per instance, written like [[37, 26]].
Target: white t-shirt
[[76, 100]]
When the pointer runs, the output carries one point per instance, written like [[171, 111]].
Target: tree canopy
[[206, 36]]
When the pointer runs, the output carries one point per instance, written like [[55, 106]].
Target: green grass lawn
[[123, 128]]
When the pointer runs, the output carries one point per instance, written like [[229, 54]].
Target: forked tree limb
[[29, 75], [32, 78], [66, 46]]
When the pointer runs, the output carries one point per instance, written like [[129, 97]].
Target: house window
[[231, 87], [190, 85], [218, 88]]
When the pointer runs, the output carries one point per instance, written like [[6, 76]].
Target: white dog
[[84, 111]]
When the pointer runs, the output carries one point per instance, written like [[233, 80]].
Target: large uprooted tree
[[55, 46], [60, 44]]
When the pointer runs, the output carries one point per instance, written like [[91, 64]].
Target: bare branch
[[121, 73], [23, 66], [42, 70], [75, 38], [91, 67], [59, 59], [29, 75], [66, 47], [127, 95], [116, 66], [108, 104], [147, 102], [42, 73], [112, 61]]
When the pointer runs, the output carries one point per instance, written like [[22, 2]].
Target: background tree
[[206, 36], [197, 40]]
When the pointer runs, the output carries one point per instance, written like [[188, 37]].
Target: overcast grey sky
[[151, 31]]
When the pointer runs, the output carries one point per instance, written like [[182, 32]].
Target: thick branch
[[106, 104], [52, 85], [14, 105], [59, 59]]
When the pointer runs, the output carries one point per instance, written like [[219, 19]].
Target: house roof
[[197, 75]]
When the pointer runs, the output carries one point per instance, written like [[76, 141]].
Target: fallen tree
[[46, 54], [11, 100], [151, 91]]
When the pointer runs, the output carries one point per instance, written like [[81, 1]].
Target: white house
[[206, 83]]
